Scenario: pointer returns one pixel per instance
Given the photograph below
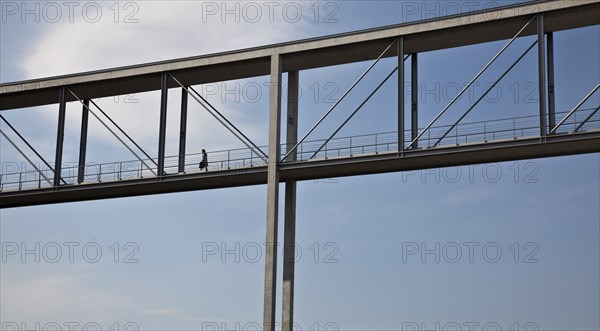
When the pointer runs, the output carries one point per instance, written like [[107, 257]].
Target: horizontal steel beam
[[520, 149], [428, 35]]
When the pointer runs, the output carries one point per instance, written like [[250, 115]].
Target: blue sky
[[195, 261]]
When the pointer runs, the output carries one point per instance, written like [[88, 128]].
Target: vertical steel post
[[542, 74], [551, 99], [83, 141], [400, 45], [272, 195], [414, 116], [289, 239], [183, 129], [162, 130], [60, 135]]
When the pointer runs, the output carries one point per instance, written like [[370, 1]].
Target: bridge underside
[[500, 151]]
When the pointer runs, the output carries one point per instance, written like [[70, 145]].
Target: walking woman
[[204, 162]]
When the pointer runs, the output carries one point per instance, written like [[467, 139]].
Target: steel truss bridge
[[552, 132]]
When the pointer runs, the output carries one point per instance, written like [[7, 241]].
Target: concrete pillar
[[272, 195], [289, 239]]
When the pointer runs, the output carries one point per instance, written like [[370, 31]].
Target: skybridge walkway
[[548, 131], [583, 123]]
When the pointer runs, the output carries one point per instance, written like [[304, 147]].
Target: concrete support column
[[60, 135], [272, 195], [542, 74], [83, 141], [289, 239]]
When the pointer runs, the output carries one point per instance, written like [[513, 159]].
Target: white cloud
[[165, 30]]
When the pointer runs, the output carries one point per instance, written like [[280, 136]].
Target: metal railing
[[243, 158]]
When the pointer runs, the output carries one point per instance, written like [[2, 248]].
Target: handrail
[[113, 133], [120, 129], [23, 154], [238, 158], [575, 108], [471, 82], [587, 119], [355, 111], [339, 100], [233, 129], [486, 92], [27, 143]]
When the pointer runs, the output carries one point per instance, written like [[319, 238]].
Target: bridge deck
[[468, 143]]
